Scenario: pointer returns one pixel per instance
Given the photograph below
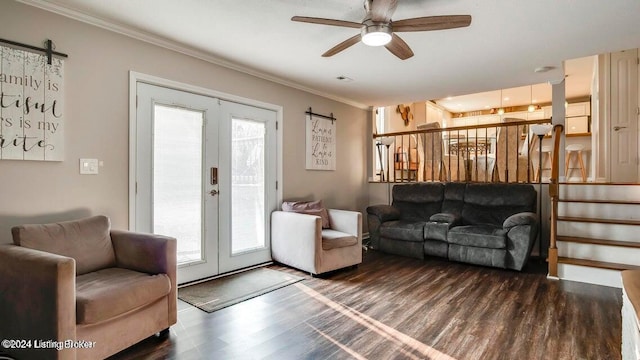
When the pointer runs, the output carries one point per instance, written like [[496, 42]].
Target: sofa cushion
[[436, 231], [418, 201], [482, 236], [403, 230], [494, 203], [309, 208], [453, 198], [107, 293], [333, 239], [87, 241]]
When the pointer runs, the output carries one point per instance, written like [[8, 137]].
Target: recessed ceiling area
[[504, 43], [578, 78]]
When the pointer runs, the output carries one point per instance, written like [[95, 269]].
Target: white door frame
[[135, 77]]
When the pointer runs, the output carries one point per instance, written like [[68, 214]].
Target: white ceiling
[[505, 42], [578, 78]]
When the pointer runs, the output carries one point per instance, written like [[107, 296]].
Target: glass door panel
[[247, 185], [177, 181], [176, 148]]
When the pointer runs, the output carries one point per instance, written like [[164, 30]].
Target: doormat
[[219, 293]]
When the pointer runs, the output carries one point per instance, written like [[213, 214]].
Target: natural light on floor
[[402, 340]]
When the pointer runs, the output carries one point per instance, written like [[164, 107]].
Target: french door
[[205, 174]]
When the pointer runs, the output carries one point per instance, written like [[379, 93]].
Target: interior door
[[624, 116], [247, 184], [177, 146]]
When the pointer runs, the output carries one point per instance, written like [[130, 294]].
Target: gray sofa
[[484, 224]]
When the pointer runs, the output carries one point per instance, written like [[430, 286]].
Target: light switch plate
[[88, 166]]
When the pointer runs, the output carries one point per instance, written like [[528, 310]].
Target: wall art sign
[[321, 142], [31, 106]]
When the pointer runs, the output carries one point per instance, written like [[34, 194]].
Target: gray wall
[[97, 125]]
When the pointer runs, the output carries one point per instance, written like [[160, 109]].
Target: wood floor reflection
[[393, 307]]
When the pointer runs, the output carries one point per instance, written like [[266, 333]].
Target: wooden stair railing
[[554, 194]]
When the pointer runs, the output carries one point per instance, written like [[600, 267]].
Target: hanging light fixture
[[531, 107], [501, 110]]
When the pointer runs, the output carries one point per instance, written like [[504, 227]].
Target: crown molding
[[180, 48]]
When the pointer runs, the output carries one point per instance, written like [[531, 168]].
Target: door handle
[[214, 192], [214, 176], [616, 128]]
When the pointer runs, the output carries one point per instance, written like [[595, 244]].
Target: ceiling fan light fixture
[[375, 34]]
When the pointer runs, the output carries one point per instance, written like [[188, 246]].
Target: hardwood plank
[[392, 307]]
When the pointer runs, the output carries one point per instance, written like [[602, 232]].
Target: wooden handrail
[[461, 128], [553, 194]]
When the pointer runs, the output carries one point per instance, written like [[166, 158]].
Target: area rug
[[219, 293]]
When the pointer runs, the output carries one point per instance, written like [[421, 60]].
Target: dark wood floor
[[393, 307]]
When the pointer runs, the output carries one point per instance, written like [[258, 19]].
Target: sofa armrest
[[523, 218], [296, 239], [38, 299], [349, 222], [384, 212], [445, 218], [521, 236]]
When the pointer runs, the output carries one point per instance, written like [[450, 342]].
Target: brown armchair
[[79, 290]]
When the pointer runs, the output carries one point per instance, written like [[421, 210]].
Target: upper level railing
[[497, 152]]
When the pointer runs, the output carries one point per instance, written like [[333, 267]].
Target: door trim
[[136, 77]]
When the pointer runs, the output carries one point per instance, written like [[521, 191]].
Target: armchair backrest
[[88, 241]]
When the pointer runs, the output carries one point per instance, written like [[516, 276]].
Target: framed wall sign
[[320, 141], [31, 106]]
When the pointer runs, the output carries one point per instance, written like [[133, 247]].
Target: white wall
[[97, 125]]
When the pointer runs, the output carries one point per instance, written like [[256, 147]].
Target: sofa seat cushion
[[333, 239], [482, 236], [107, 293], [436, 231], [403, 230]]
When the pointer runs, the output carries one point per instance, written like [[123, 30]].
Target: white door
[[247, 184], [623, 127], [177, 135]]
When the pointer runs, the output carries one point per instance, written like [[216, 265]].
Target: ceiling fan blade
[[343, 45], [399, 48], [429, 23], [382, 10], [332, 22]]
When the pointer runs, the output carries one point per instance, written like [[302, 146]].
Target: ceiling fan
[[377, 28]]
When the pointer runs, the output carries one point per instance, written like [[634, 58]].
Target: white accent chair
[[298, 240]]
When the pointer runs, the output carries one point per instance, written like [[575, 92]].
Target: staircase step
[[600, 191], [605, 242], [586, 201], [599, 221], [596, 264]]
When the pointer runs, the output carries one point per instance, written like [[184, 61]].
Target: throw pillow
[[310, 208]]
